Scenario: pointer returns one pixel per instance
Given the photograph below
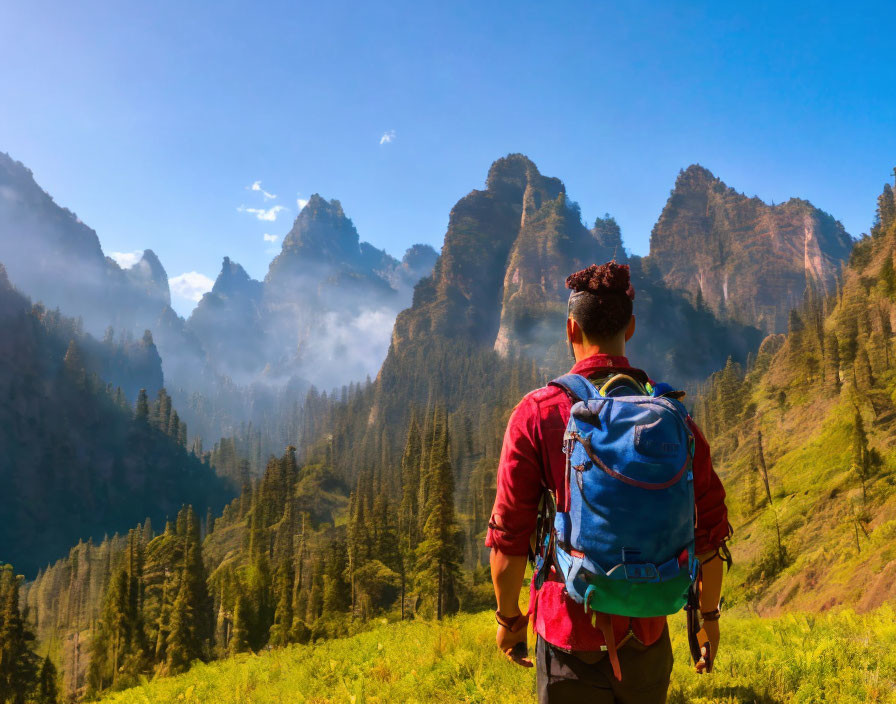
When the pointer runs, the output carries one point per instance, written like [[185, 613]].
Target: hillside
[[746, 258], [75, 461], [805, 440], [795, 658]]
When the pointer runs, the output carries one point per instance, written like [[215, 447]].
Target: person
[[574, 662]]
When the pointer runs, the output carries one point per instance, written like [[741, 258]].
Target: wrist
[[713, 615], [512, 623]]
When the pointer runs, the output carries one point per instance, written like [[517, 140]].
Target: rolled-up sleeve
[[519, 484], [713, 528]]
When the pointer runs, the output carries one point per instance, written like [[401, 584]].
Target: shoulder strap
[[624, 380], [577, 387]]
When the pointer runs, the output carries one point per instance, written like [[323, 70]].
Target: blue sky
[[153, 121]]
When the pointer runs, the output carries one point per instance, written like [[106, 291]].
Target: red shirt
[[532, 455]]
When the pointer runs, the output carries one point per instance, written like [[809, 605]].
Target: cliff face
[[748, 260], [501, 283], [463, 297]]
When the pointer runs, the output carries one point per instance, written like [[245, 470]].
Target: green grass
[[836, 657]]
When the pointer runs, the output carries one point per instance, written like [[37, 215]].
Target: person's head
[[600, 310]]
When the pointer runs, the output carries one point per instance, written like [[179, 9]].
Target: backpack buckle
[[641, 572], [636, 571]]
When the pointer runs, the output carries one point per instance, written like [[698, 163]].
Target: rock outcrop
[[747, 259]]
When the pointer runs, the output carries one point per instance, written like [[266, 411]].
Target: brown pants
[[646, 671]]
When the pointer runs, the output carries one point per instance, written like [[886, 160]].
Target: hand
[[513, 644], [709, 633]]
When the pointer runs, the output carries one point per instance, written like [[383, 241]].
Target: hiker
[[599, 478]]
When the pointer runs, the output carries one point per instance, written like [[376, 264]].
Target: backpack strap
[[577, 387], [624, 380]]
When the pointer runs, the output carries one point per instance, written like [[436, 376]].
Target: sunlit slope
[[805, 442], [836, 657]]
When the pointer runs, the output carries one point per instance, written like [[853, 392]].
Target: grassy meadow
[[835, 657]]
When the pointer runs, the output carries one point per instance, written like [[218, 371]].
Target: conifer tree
[[142, 412], [242, 618], [438, 555], [316, 595], [74, 365], [173, 428], [47, 685], [888, 276], [863, 366], [18, 668], [283, 613], [832, 362], [410, 488], [860, 456], [182, 647]]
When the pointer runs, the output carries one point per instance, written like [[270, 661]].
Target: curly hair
[[602, 298]]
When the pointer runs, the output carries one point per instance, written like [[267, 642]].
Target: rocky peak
[[233, 280], [515, 178], [150, 276], [323, 231], [746, 258]]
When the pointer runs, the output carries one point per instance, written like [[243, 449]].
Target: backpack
[[624, 543]]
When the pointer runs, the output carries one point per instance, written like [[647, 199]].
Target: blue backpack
[[626, 543]]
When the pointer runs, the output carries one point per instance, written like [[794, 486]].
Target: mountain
[[57, 259], [249, 345], [325, 290], [75, 461], [747, 259], [804, 441], [500, 283]]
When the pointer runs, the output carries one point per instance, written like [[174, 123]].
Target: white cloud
[[269, 215], [257, 187], [127, 259], [190, 285], [301, 203], [387, 137], [269, 238]]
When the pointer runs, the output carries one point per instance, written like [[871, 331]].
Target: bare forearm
[[507, 577], [711, 585]]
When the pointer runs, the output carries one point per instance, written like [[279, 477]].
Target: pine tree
[[438, 555], [242, 618], [192, 615], [316, 595], [74, 365], [410, 488], [142, 412], [336, 590], [860, 456], [888, 276], [47, 686], [173, 428], [863, 366], [283, 614], [832, 363], [18, 669]]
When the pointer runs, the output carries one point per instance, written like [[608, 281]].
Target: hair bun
[[603, 279]]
